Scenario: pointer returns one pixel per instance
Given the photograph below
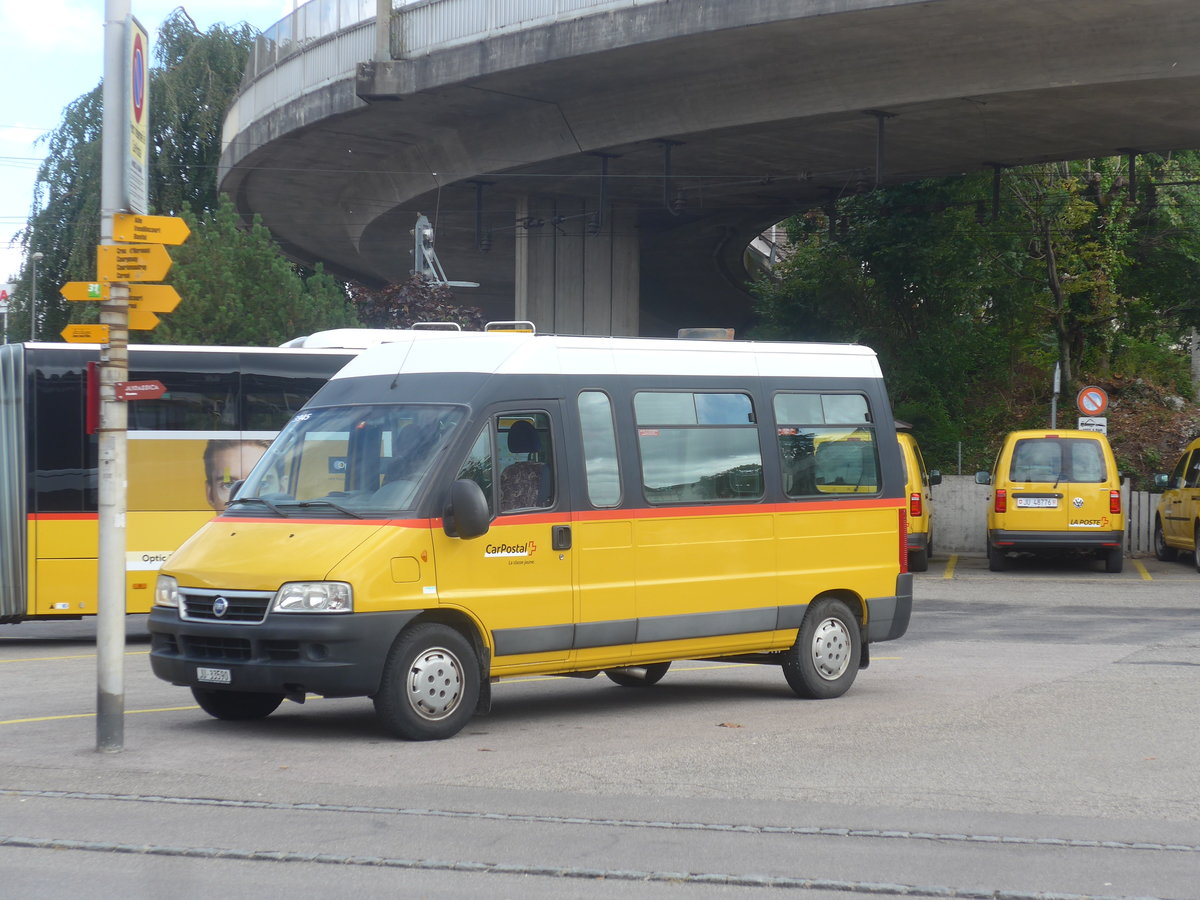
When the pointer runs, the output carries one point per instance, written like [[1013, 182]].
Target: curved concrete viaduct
[[602, 168]]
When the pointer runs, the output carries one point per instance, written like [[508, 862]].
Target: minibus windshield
[[348, 462]]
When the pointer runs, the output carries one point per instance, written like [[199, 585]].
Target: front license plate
[[1037, 502], [213, 676]]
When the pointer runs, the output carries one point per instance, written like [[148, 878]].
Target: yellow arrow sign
[[142, 320], [157, 298], [132, 262], [149, 229], [84, 290], [85, 334]]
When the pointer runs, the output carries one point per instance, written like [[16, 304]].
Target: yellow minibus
[[454, 508]]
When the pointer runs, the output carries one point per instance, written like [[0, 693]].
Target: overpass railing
[[323, 41]]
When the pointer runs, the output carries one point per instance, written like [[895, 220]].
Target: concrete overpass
[[600, 166]]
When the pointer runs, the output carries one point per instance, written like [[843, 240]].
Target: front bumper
[[330, 655]]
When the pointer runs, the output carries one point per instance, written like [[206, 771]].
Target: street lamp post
[[37, 258]]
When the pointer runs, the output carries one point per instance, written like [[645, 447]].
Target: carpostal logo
[[496, 550]]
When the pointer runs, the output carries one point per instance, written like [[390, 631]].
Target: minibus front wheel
[[430, 684], [822, 663]]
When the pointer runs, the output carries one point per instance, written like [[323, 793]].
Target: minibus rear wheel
[[236, 706], [824, 660], [638, 676], [430, 684]]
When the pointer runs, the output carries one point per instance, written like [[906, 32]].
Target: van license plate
[[213, 676], [1038, 502]]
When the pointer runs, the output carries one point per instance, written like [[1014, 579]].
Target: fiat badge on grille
[[220, 607]]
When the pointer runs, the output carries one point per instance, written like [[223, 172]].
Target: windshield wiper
[[267, 503], [343, 510]]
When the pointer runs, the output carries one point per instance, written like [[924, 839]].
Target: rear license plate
[[1037, 502], [213, 676]]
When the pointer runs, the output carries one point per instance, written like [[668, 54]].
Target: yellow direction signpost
[[85, 334], [132, 262], [141, 319], [149, 229], [158, 298]]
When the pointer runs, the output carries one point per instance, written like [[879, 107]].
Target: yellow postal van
[[919, 483], [1055, 491], [452, 508], [1177, 519]]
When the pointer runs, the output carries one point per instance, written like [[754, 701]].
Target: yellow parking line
[[128, 712], [949, 573], [1142, 570], [57, 658]]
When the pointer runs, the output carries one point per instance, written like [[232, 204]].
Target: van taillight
[[914, 505], [1001, 504], [903, 541], [1114, 502]]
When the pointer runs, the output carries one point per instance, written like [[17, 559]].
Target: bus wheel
[[824, 660], [1163, 551], [237, 706], [430, 684], [638, 676]]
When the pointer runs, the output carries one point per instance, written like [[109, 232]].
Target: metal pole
[[114, 367], [1054, 396], [36, 258]]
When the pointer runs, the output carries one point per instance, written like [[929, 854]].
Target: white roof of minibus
[[415, 352]]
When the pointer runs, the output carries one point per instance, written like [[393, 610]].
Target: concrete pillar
[[570, 280]]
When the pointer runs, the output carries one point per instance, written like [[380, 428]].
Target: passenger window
[[525, 461], [826, 444], [478, 466], [1192, 479], [599, 448], [1177, 475], [698, 446]]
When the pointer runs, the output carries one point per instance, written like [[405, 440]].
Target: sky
[[53, 53]]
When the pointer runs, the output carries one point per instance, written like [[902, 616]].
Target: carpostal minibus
[[454, 508], [221, 407]]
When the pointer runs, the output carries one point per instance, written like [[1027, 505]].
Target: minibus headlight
[[314, 596], [166, 592]]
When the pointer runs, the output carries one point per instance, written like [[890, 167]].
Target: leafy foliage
[[238, 289], [416, 300]]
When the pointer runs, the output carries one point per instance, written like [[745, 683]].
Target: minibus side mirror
[[1162, 481], [983, 478], [466, 514], [935, 477]]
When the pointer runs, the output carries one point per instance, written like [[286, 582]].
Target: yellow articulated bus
[[453, 508], [222, 407]]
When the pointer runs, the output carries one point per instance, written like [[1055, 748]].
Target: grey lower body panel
[[1047, 541]]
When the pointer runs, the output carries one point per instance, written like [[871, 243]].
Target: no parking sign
[[1092, 400]]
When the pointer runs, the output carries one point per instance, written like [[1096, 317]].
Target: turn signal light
[[914, 505], [1001, 501], [1114, 502]]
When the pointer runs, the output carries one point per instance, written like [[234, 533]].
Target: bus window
[[698, 446], [826, 445], [599, 448]]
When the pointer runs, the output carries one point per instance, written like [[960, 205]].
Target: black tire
[[997, 561], [430, 684], [638, 676], [918, 560], [1162, 550], [236, 706], [1114, 560], [823, 662]]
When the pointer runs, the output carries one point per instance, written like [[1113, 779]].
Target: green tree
[[237, 288], [191, 85]]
